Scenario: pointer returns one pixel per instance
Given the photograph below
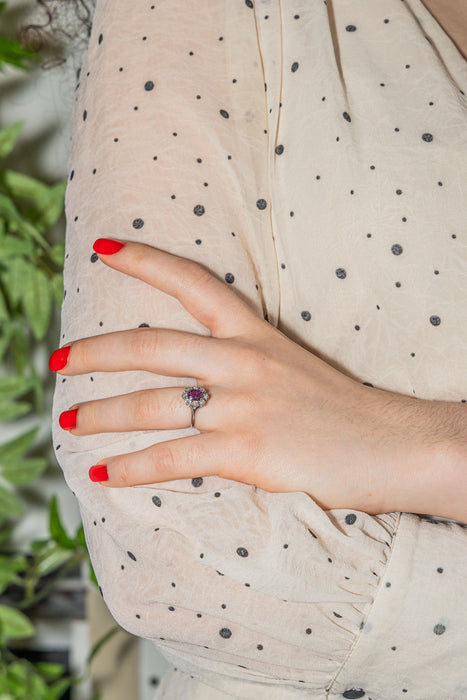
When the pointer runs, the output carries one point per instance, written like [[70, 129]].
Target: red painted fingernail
[[107, 246], [67, 419], [98, 473], [58, 359]]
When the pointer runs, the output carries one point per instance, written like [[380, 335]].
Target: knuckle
[[146, 406], [123, 474], [88, 416], [166, 461], [194, 274], [144, 342]]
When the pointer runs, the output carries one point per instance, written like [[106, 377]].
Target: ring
[[195, 396]]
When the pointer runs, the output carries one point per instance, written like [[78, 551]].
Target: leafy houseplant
[[31, 287]]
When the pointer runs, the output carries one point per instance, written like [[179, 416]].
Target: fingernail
[[107, 246], [67, 419], [98, 473], [58, 359]]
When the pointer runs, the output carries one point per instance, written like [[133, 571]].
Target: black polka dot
[[149, 85], [346, 116], [224, 113], [197, 481], [131, 555], [294, 67], [341, 273], [439, 629], [199, 210], [435, 320], [157, 501], [242, 552], [261, 204], [306, 315], [138, 223], [427, 137], [229, 278], [397, 249], [225, 632], [350, 28]]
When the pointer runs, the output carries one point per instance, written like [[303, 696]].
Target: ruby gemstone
[[195, 394]]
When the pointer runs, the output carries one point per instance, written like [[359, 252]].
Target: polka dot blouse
[[313, 156]]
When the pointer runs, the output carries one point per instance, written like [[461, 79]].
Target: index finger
[[199, 290]]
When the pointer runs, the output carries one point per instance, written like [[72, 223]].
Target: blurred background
[[58, 640]]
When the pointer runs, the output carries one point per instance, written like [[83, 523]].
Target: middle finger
[[168, 352]]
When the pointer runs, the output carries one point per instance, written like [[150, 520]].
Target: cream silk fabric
[[313, 156]]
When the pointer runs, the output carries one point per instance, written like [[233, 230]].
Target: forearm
[[433, 478]]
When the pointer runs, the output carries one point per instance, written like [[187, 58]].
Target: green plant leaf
[[57, 530], [10, 565], [49, 555], [4, 315], [5, 336], [23, 471], [17, 677], [10, 410], [10, 247], [37, 687], [50, 671], [18, 446], [13, 278], [100, 642], [8, 210], [57, 288], [57, 253], [10, 504], [11, 52], [36, 300], [14, 385], [92, 575], [19, 185], [5, 532], [56, 691], [8, 137], [14, 624], [80, 537], [27, 230], [48, 207]]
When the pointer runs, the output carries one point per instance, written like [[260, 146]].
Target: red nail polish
[[67, 419], [58, 359], [107, 246], [98, 473]]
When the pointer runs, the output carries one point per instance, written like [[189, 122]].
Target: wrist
[[434, 481]]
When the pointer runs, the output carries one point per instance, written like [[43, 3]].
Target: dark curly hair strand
[[63, 36]]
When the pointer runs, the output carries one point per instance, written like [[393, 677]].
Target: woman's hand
[[277, 416]]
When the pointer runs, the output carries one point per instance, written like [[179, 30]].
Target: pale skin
[[278, 416]]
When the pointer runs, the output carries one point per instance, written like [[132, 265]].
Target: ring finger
[[148, 409]]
